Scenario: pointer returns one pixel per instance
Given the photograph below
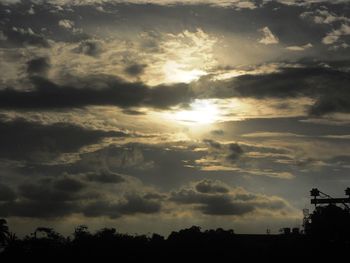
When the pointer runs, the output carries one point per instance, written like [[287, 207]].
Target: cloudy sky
[[155, 115]]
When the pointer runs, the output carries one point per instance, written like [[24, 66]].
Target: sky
[[152, 116]]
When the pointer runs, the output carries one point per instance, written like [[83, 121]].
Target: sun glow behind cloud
[[200, 112], [175, 72], [186, 56]]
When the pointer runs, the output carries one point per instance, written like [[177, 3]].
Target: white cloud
[[324, 17], [268, 37], [65, 23], [330, 39], [335, 35], [300, 48], [31, 11]]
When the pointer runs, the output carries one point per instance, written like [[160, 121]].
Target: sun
[[200, 112]]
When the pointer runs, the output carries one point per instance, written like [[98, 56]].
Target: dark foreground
[[188, 244]]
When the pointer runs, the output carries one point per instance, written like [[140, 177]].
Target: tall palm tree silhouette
[[4, 231]]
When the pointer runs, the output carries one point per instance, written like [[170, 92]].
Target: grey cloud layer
[[52, 197], [24, 140], [328, 86], [86, 92], [231, 201]]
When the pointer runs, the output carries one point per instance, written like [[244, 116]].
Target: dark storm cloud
[[235, 151], [294, 125], [39, 65], [135, 69], [208, 186], [57, 190], [156, 196], [86, 92], [21, 139], [231, 151], [133, 204], [59, 196], [137, 204], [37, 209], [102, 208], [7, 193], [220, 205], [212, 143], [286, 83], [164, 96], [328, 86], [339, 101], [49, 95], [105, 177], [230, 202], [45, 198], [187, 196], [67, 184]]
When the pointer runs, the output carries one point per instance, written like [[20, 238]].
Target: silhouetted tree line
[[45, 244]]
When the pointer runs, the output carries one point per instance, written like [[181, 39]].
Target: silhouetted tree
[[106, 233], [11, 239], [81, 232], [192, 243], [4, 231], [49, 233]]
